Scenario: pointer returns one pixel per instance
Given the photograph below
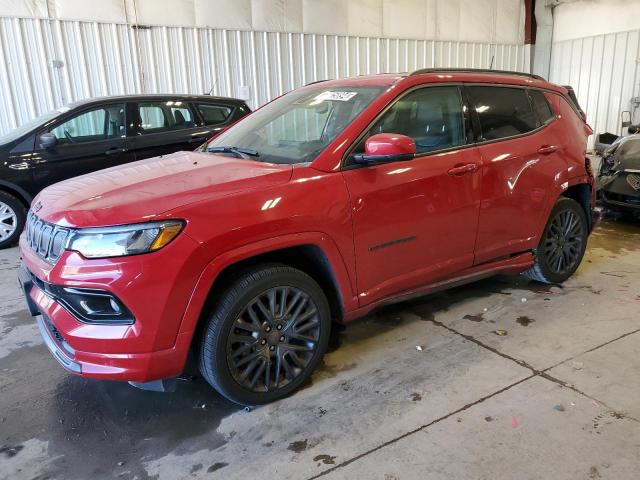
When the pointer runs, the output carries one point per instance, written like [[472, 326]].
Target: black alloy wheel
[[266, 334], [273, 339], [563, 243]]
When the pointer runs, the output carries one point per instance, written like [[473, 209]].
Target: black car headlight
[[120, 241]]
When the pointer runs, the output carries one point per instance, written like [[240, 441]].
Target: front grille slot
[[46, 239]]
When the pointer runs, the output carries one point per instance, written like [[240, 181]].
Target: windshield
[[296, 127], [25, 128]]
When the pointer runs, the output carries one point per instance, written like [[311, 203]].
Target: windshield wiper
[[242, 152]]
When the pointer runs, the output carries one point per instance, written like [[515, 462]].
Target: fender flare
[[14, 189], [345, 282]]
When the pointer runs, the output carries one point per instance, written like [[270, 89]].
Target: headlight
[[124, 240]]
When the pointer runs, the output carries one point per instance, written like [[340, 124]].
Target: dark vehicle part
[[12, 218], [266, 335], [604, 141], [619, 176], [571, 93], [100, 133], [562, 244]]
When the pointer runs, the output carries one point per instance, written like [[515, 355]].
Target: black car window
[[164, 116], [503, 111], [541, 107], [152, 118], [181, 115], [213, 114], [432, 116], [102, 123]]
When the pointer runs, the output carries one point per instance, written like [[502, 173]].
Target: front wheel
[[563, 243], [266, 335], [12, 218]]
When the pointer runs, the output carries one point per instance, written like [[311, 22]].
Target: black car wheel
[[266, 335], [562, 244], [12, 218]]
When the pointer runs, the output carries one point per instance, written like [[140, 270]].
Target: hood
[[140, 191], [624, 153]]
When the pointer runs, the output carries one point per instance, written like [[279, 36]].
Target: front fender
[[344, 281]]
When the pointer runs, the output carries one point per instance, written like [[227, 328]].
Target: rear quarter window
[[503, 111], [214, 114], [541, 107]]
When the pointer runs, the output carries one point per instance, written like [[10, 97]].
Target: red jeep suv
[[329, 201]]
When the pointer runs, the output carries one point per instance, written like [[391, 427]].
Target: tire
[[12, 218], [242, 341], [562, 245]]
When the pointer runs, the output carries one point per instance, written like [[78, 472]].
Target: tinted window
[[152, 117], [164, 116], [181, 117], [97, 124], [432, 116], [213, 114], [503, 112], [541, 107]]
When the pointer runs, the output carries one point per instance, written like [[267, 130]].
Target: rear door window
[[214, 114], [541, 107], [503, 111], [156, 117]]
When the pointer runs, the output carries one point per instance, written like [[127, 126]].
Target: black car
[[619, 177], [94, 134]]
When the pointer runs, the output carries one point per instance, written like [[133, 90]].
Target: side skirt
[[512, 265]]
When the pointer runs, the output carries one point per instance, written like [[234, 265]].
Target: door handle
[[460, 170], [115, 151], [547, 149]]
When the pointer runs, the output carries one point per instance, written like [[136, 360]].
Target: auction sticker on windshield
[[339, 96]]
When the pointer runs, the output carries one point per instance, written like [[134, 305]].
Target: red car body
[[464, 214]]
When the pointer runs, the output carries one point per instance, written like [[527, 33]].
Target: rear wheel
[[12, 218], [266, 335], [562, 244]]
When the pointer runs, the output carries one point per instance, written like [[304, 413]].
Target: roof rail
[[475, 70], [317, 81]]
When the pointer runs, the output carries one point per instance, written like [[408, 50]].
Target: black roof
[[157, 97]]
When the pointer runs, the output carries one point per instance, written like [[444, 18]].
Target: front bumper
[[135, 367], [617, 193], [151, 348]]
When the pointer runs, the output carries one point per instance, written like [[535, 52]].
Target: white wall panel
[[24, 8], [234, 14], [405, 19], [326, 17], [364, 18], [490, 21], [605, 72], [47, 63], [277, 15], [584, 18], [86, 10]]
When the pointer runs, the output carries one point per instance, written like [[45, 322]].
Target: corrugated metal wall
[[47, 63], [605, 73]]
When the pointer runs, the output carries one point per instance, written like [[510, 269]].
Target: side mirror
[[633, 129], [387, 147], [47, 140]]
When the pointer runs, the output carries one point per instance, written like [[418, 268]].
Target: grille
[[46, 239], [634, 181]]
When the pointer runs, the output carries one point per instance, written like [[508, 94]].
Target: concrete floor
[[556, 397]]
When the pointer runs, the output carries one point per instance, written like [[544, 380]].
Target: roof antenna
[[491, 64], [212, 87]]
